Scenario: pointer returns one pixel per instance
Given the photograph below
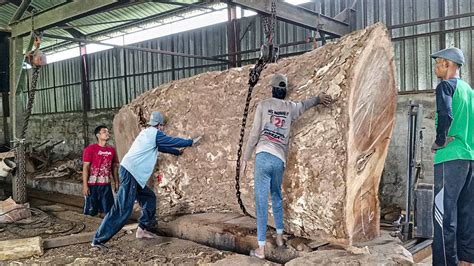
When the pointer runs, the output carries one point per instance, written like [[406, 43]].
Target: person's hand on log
[[196, 140], [436, 147], [324, 99]]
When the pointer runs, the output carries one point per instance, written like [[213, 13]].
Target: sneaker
[[99, 246], [142, 233]]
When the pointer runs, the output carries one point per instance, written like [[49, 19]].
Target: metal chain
[[20, 192], [20, 187], [254, 76], [31, 99], [269, 23]]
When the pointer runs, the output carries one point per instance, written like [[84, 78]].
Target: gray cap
[[155, 119], [452, 54], [277, 79]]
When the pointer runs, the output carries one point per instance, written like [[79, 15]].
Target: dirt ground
[[49, 221], [124, 247]]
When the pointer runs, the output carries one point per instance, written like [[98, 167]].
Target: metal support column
[[17, 82], [414, 111], [233, 32], [6, 114], [442, 24], [4, 84], [173, 71], [86, 99]]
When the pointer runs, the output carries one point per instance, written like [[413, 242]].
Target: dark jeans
[[117, 217], [453, 212], [100, 200]]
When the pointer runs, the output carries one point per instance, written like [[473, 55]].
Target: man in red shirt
[[99, 167]]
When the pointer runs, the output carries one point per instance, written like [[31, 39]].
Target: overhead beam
[[299, 16], [75, 33], [134, 48], [62, 14], [194, 5], [20, 11]]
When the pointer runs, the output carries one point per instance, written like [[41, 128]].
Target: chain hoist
[[268, 54]]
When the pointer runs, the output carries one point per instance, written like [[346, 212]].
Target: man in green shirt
[[453, 240]]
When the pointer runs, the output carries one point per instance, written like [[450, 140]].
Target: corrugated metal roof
[[132, 14], [8, 9], [124, 15], [6, 13]]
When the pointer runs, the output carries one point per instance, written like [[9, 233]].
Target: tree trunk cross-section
[[336, 154]]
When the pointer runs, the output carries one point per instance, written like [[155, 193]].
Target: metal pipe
[[426, 21], [133, 48], [442, 32]]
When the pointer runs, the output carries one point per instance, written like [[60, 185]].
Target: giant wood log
[[336, 154]]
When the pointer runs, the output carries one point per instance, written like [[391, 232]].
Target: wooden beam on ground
[[75, 239], [421, 250], [298, 15], [9, 154], [21, 248], [62, 14]]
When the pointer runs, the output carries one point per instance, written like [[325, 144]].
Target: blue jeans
[[453, 212], [117, 217], [268, 176]]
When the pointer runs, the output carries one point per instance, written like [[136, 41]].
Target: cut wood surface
[[21, 248], [336, 154]]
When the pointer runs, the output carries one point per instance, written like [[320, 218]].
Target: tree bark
[[336, 154]]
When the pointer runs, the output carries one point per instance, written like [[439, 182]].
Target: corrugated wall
[[117, 76]]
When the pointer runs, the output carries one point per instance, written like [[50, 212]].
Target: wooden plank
[[68, 240], [75, 239], [422, 254], [21, 248], [9, 154]]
